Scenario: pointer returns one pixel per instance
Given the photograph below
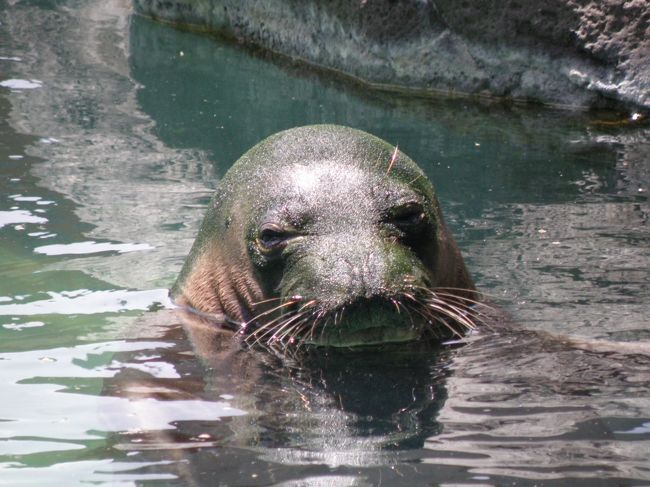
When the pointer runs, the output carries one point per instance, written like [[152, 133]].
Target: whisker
[[473, 311], [408, 312], [392, 160], [431, 318], [462, 306], [272, 310], [308, 304], [303, 335], [290, 332], [328, 320], [264, 301], [288, 325], [416, 178], [466, 290], [315, 322], [337, 316], [463, 300], [396, 304], [285, 326], [438, 312], [452, 310], [437, 305], [446, 290], [264, 330], [270, 328]]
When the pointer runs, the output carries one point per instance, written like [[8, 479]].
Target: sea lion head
[[330, 236]]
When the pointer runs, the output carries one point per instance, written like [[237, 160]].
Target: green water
[[113, 134]]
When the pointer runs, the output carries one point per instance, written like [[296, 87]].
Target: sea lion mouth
[[366, 322], [408, 315]]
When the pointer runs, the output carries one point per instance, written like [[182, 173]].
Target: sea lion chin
[[327, 235]]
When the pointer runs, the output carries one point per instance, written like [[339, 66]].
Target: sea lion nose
[[355, 266], [362, 274]]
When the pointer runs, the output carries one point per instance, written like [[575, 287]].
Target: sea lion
[[327, 235]]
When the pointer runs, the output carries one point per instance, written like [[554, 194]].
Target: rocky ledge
[[575, 53]]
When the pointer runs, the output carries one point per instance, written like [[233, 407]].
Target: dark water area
[[114, 132]]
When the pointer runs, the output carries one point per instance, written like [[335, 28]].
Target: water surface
[[114, 133]]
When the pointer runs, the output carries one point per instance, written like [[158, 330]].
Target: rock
[[562, 52]]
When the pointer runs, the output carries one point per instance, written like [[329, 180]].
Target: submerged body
[[331, 236]]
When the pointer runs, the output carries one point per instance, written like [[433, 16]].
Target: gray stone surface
[[561, 52]]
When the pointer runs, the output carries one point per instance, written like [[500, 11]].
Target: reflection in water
[[124, 183], [83, 301], [589, 264], [100, 203], [505, 407], [342, 411], [525, 405]]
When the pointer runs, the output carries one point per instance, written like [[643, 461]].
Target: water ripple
[[85, 301]]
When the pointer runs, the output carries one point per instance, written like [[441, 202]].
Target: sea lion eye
[[408, 216], [272, 237]]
